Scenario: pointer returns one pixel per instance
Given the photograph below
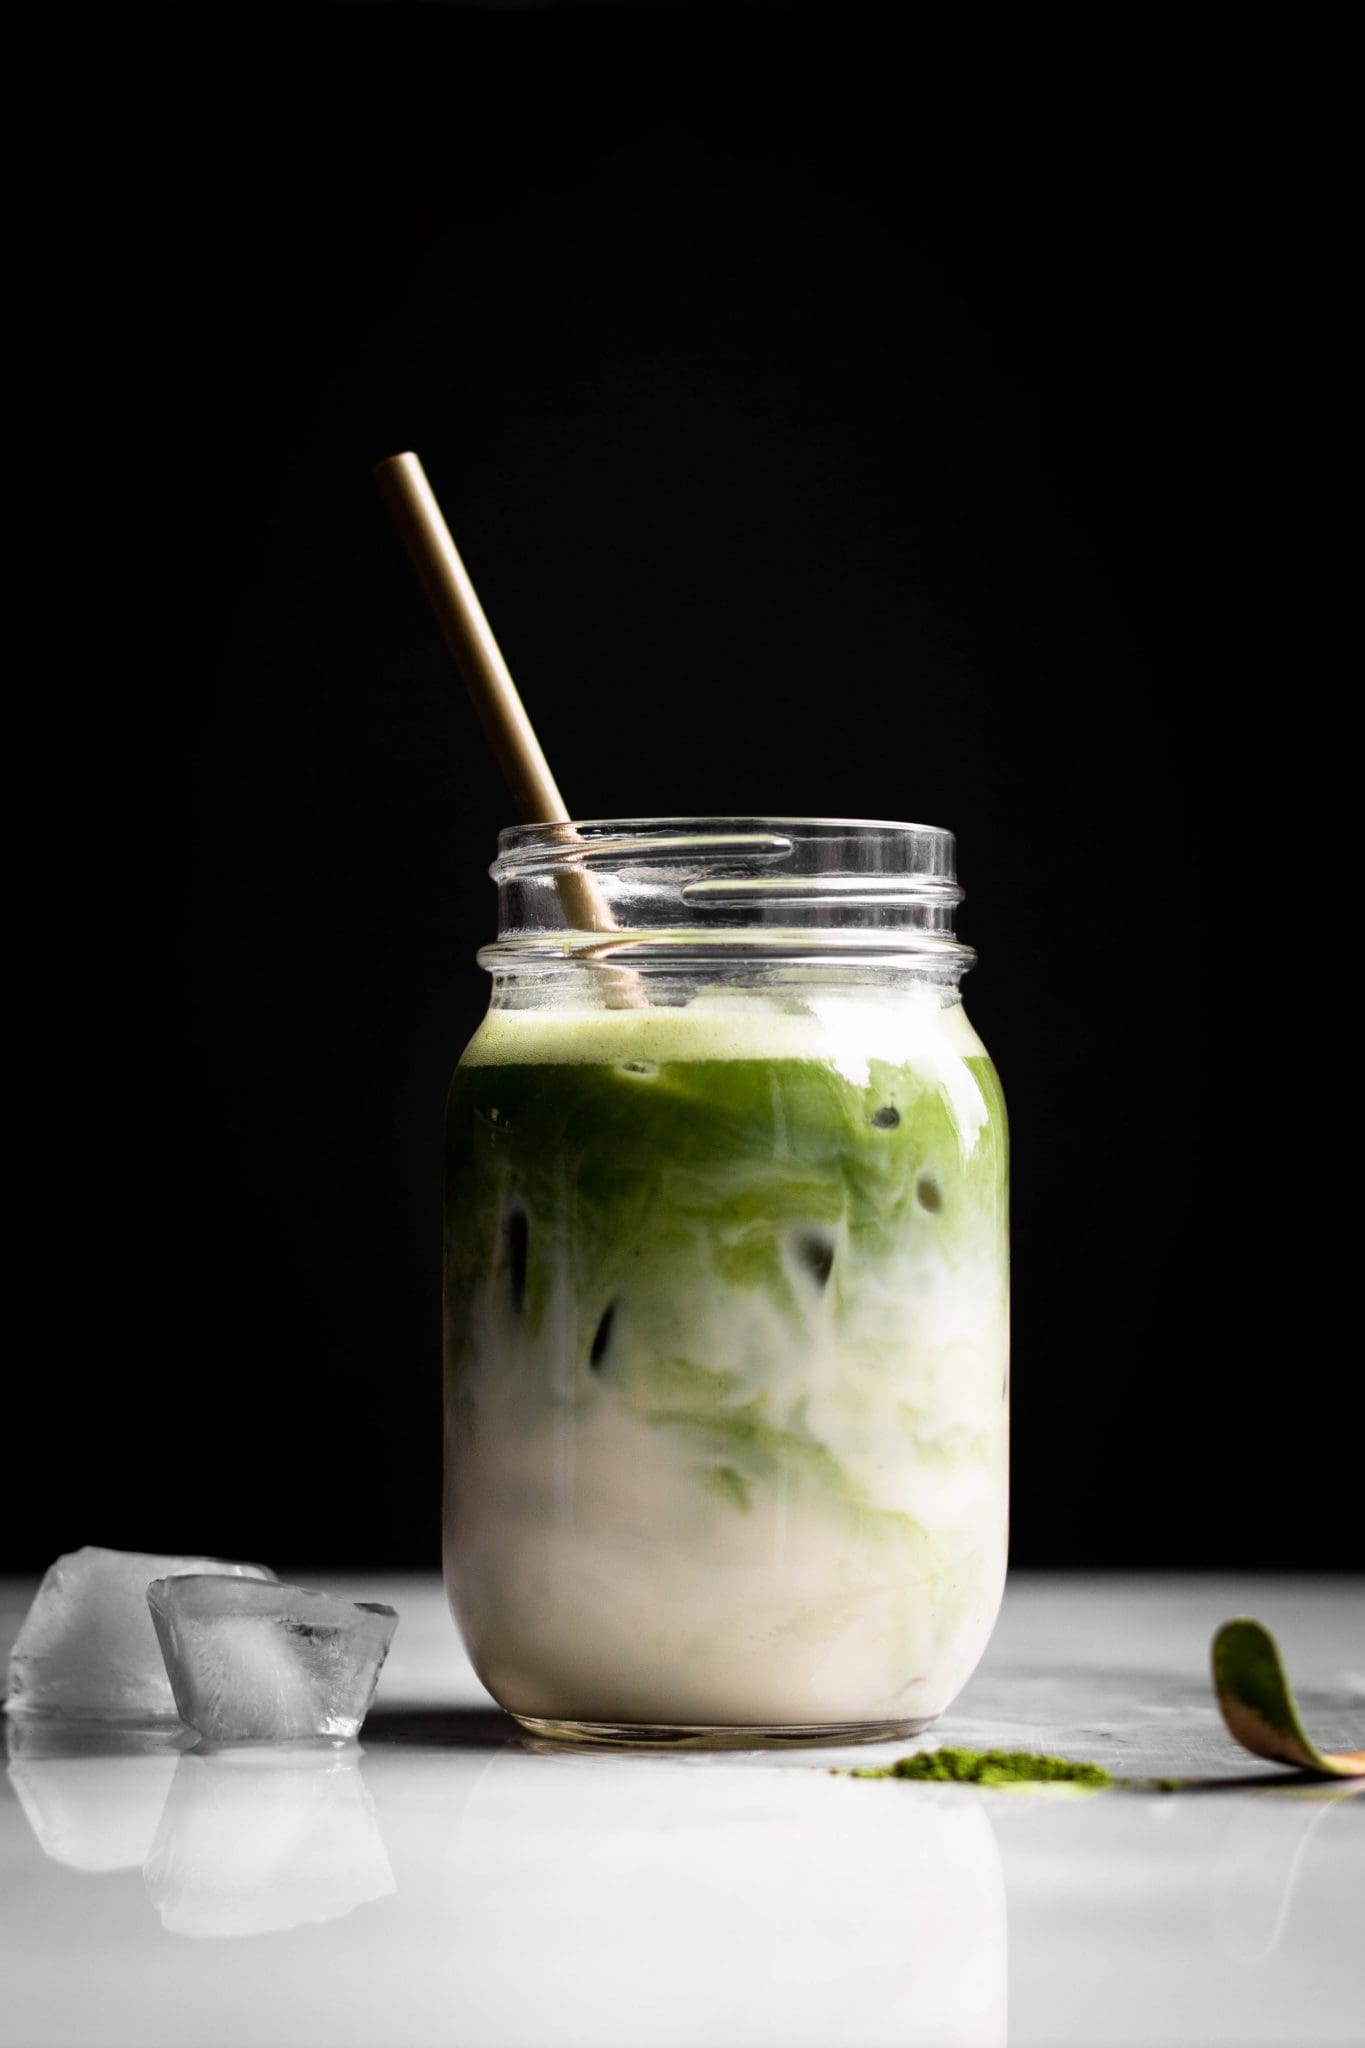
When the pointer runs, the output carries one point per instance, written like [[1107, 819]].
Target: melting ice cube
[[87, 1649], [268, 1663]]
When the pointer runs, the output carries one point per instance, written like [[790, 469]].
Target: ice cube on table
[[87, 1649], [269, 1663]]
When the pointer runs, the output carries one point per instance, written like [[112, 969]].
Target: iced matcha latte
[[726, 1343]]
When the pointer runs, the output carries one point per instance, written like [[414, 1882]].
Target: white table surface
[[443, 1884]]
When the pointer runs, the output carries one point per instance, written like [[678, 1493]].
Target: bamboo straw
[[518, 753]]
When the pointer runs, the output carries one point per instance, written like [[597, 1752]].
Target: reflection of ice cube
[[252, 1841], [92, 1797], [94, 1812], [268, 1663], [87, 1648]]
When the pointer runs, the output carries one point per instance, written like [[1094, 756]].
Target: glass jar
[[726, 1287]]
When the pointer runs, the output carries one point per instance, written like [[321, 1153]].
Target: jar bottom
[[560, 1735]]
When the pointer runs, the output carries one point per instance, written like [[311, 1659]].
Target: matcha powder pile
[[988, 1767]]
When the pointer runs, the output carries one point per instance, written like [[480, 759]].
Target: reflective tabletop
[[442, 1881]]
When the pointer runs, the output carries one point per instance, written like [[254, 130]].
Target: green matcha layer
[[599, 1214]]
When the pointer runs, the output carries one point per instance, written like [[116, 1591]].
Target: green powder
[[988, 1767]]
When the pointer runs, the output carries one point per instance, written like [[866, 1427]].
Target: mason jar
[[726, 1287]]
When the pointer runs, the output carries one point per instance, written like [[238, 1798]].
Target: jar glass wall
[[726, 1287]]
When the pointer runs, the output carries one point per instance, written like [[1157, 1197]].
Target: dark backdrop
[[831, 426]]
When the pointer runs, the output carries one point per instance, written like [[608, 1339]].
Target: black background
[[833, 425]]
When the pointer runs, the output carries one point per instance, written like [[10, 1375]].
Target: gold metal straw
[[518, 753]]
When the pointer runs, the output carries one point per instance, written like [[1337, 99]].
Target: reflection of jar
[[726, 1286], [885, 1928]]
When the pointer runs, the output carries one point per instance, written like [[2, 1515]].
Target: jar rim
[[632, 819], [762, 889], [920, 849]]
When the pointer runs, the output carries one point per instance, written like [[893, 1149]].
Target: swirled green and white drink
[[726, 1288]]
